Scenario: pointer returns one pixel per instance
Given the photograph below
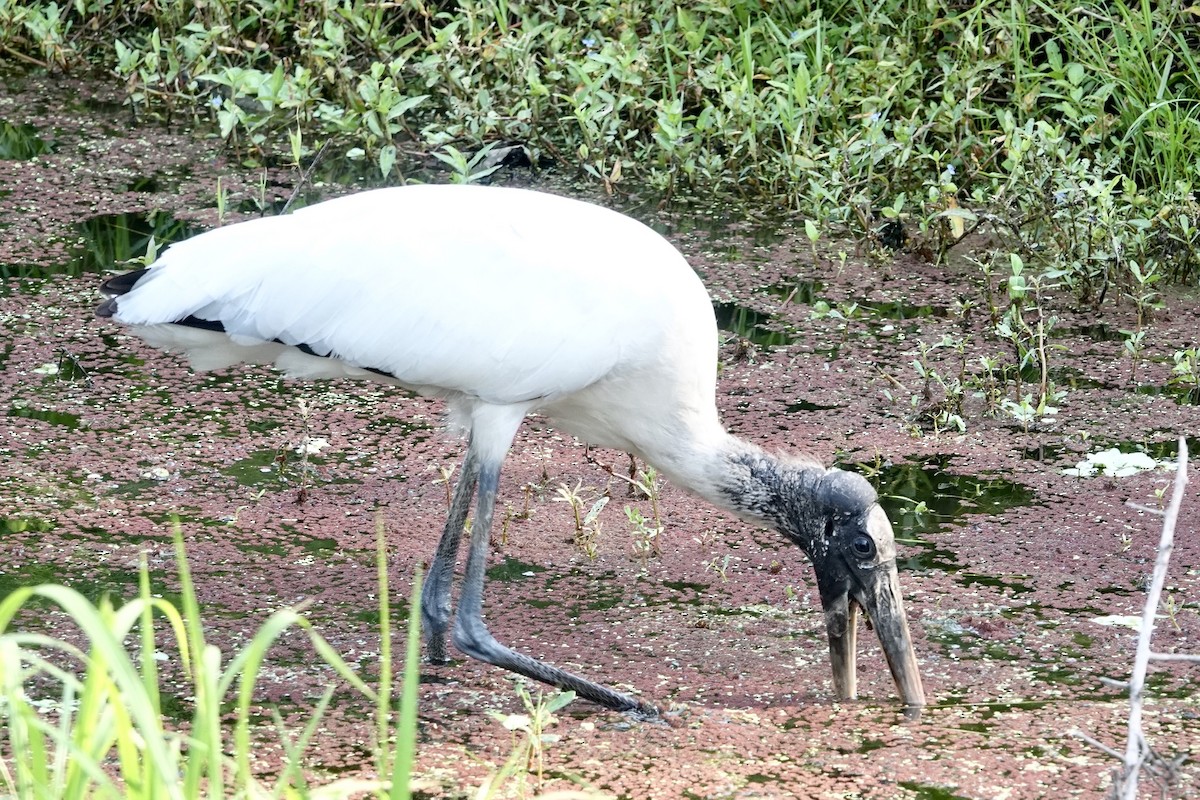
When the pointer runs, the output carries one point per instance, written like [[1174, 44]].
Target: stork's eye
[[863, 546]]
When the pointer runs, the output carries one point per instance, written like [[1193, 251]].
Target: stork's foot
[[644, 712], [472, 638]]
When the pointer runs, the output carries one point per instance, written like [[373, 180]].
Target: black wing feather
[[118, 285]]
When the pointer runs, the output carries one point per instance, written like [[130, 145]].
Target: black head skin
[[849, 539]]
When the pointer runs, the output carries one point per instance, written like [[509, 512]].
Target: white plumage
[[481, 295], [505, 302]]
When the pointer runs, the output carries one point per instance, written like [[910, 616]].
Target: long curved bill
[[881, 600]]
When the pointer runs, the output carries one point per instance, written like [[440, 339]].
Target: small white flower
[[516, 722], [312, 445]]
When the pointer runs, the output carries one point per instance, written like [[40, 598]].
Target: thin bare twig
[[27, 59], [304, 177], [1078, 734], [1138, 755], [1174, 657], [1136, 749]]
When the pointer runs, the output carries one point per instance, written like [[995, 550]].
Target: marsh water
[[1013, 569]]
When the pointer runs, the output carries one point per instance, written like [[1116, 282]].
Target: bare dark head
[[848, 537]]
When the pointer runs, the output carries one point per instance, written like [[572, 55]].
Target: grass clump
[[102, 733]]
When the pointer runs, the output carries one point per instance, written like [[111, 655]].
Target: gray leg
[[435, 595], [472, 637]]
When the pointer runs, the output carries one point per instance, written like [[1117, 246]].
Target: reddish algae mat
[[1019, 577]]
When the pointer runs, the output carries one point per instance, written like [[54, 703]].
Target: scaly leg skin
[[472, 637], [435, 596]]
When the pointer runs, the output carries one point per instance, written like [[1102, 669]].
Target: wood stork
[[505, 302]]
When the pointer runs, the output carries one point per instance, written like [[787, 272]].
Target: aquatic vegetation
[[1068, 135]]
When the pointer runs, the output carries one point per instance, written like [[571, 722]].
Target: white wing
[[501, 294]]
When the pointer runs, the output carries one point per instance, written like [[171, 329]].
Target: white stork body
[[502, 301], [506, 302]]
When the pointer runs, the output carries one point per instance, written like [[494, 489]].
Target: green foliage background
[[1069, 127]]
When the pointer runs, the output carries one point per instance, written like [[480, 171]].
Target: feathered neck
[[743, 478]]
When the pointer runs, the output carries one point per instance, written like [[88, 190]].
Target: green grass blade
[[291, 777], [244, 669], [203, 764], [383, 700], [406, 724]]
